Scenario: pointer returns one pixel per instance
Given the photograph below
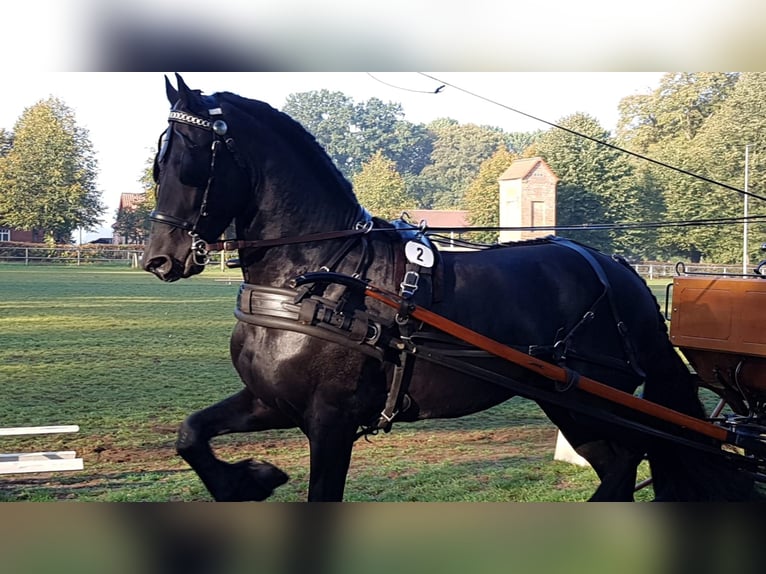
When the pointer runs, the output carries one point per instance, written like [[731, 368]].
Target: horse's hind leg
[[616, 466], [615, 463], [244, 480]]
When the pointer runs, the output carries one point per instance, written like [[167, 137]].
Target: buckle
[[410, 284], [365, 226]]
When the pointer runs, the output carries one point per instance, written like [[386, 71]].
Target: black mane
[[298, 135]]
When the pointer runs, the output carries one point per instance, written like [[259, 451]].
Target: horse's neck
[[280, 215], [300, 209]]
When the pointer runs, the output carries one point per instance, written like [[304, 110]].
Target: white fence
[[659, 270], [127, 255], [48, 461], [74, 255]]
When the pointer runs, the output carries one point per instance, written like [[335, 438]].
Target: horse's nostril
[[158, 265]]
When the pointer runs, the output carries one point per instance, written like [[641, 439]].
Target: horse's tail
[[682, 474], [685, 473], [622, 261]]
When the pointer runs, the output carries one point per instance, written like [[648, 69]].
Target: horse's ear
[[184, 93], [171, 92]]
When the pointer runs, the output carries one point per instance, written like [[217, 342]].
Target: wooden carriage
[[719, 324]]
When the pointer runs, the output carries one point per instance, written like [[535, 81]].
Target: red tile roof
[[521, 168], [131, 200], [439, 217]]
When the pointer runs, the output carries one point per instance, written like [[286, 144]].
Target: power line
[[596, 140], [606, 226], [436, 91]]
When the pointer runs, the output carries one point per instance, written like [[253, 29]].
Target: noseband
[[199, 247]]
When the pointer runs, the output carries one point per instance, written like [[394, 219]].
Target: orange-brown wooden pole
[[548, 370]]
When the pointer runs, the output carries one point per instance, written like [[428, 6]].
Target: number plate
[[419, 254]]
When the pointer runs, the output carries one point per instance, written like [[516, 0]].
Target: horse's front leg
[[241, 481]]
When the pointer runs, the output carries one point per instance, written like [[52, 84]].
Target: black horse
[[325, 359]]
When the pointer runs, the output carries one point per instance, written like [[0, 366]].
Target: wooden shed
[[527, 198]]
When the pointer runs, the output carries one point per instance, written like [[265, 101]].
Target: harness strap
[[347, 247], [622, 328], [397, 399], [363, 226], [276, 308]]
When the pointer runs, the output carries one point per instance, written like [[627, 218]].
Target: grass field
[[127, 358]]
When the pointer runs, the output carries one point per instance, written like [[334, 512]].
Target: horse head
[[201, 184], [276, 181]]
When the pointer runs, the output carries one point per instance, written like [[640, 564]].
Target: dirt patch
[[110, 466], [464, 446]]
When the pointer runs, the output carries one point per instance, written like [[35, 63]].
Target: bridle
[[200, 249], [219, 128]]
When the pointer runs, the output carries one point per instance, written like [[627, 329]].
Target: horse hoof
[[251, 481], [267, 474]]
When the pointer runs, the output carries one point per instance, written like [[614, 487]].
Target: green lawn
[[127, 357]]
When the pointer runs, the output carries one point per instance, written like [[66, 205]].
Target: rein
[[361, 228]]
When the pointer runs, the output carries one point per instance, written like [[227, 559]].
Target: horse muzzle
[[176, 255], [170, 269]]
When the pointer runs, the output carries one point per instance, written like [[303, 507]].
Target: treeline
[[700, 122]]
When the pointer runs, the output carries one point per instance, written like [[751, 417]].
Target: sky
[[398, 34], [124, 113]]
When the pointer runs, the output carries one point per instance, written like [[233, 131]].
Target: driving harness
[[397, 340]]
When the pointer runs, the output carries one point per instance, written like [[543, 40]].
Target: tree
[[352, 133], [482, 198], [48, 178], [410, 148], [519, 142], [687, 199], [667, 125], [677, 108], [133, 223], [738, 122], [378, 126], [718, 152], [458, 151], [597, 184], [373, 128], [381, 189], [328, 117], [701, 122], [148, 185]]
